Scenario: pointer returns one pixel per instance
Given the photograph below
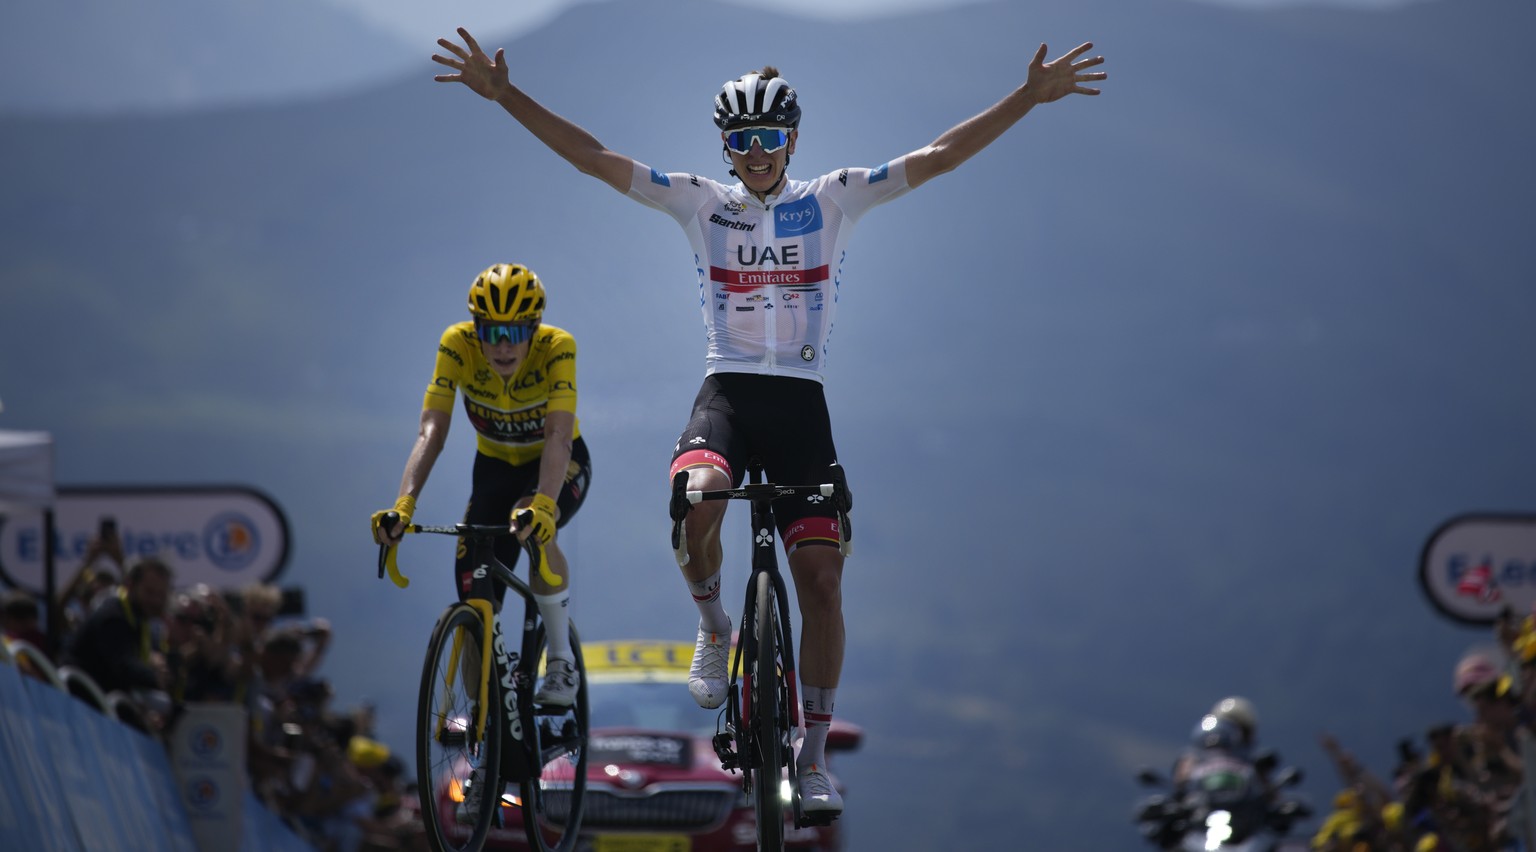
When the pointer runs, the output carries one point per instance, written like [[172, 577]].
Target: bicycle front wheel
[[554, 799], [457, 758], [770, 722]]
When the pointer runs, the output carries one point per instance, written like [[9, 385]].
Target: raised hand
[[1055, 80], [484, 76]]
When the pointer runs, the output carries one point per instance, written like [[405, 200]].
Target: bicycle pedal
[[726, 751], [816, 820]]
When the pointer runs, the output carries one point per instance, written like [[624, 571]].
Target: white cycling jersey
[[769, 271]]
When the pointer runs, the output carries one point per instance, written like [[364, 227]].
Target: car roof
[[637, 660]]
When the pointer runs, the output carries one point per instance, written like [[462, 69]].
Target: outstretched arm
[[488, 78], [1047, 81]]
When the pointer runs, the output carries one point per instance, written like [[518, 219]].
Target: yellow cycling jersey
[[508, 414]]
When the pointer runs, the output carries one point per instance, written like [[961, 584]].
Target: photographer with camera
[[205, 662]]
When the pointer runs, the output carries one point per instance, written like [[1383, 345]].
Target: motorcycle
[[1225, 804]]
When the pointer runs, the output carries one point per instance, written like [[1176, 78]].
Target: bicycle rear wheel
[[457, 768], [769, 724], [554, 801]]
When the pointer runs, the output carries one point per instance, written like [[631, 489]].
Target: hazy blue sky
[[410, 17]]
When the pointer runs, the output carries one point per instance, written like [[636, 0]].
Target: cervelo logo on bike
[[508, 662]]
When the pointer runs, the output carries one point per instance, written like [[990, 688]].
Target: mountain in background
[[1155, 400], [87, 56]]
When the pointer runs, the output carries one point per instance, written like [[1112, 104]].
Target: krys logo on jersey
[[797, 218], [225, 536], [1475, 566]]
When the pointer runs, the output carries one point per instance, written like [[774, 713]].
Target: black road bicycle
[[478, 729], [761, 718]]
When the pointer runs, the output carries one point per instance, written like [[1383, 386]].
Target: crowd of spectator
[[1456, 789], [135, 632]]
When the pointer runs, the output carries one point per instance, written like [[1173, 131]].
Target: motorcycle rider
[[1230, 731]]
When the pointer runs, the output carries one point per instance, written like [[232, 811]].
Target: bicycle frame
[[488, 572], [730, 745]]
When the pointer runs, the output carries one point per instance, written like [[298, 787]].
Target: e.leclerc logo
[[231, 541]]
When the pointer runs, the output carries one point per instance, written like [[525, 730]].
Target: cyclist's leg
[[710, 452], [707, 450], [554, 598], [801, 451]]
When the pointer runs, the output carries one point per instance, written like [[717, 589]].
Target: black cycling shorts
[[495, 488], [779, 419]]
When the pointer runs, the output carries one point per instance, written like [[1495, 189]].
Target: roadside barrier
[[75, 779]]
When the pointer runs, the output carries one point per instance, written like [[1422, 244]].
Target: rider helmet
[[1238, 711], [761, 97], [1477, 672], [507, 293], [1214, 733]]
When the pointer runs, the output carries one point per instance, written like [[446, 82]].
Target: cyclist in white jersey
[[768, 252]]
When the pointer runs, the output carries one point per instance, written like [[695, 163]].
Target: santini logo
[[727, 223]]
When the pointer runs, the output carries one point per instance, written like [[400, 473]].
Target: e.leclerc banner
[[226, 535], [1476, 565]]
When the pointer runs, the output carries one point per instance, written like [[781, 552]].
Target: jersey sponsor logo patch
[[723, 222], [747, 280], [880, 174], [797, 218], [807, 353], [659, 178]]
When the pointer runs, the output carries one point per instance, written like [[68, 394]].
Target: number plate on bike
[[642, 843]]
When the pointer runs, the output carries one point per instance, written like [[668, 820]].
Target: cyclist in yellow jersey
[[518, 380]]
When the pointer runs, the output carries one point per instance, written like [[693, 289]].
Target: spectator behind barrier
[[101, 570], [20, 614], [121, 645], [204, 661]]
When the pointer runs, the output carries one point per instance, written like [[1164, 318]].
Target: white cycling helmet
[[1238, 711]]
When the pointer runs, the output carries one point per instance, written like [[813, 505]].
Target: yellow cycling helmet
[[506, 293]]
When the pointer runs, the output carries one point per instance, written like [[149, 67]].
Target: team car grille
[[662, 807]]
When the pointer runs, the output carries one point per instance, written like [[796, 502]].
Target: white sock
[[816, 704], [557, 624], [706, 594]]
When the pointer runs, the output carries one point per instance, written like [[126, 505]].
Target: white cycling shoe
[[560, 683], [817, 795], [707, 676]]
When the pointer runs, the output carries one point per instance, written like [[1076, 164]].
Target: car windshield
[[661, 706]]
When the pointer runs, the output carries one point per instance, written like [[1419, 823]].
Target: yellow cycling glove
[[543, 524], [405, 507]]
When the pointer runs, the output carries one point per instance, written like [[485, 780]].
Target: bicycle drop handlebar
[[388, 564], [684, 499]]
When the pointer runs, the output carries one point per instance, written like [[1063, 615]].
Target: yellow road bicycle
[[478, 729]]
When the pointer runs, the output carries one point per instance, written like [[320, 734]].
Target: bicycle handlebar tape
[[524, 518], [387, 554], [679, 505]]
